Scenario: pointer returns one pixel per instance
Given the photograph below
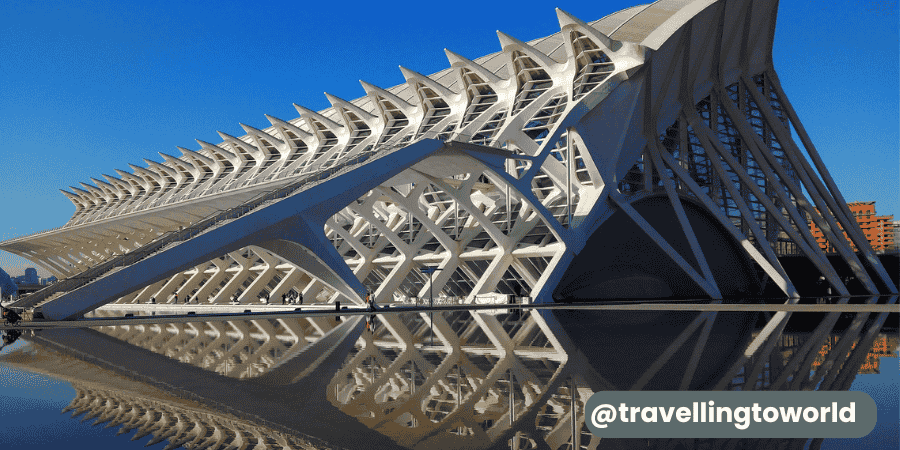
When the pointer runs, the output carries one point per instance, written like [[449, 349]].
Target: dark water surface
[[398, 379]]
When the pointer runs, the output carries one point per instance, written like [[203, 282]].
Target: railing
[[438, 301], [480, 299], [204, 225]]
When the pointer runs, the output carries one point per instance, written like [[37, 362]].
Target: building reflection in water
[[462, 379], [194, 427], [109, 398]]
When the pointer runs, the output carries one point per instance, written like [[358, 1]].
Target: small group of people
[[174, 300], [10, 316], [292, 298], [187, 299]]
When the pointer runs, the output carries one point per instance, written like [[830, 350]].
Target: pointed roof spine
[[79, 206], [109, 188], [460, 61], [307, 114], [180, 163], [624, 55], [140, 171], [511, 44], [89, 199], [375, 91], [212, 148], [125, 186], [80, 192], [338, 103], [255, 152], [162, 168], [209, 162], [335, 100], [95, 191], [568, 20], [276, 122], [283, 126], [135, 181], [258, 134], [412, 77], [102, 184]]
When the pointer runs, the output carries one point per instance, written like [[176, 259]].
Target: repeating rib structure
[[675, 104], [176, 425], [237, 349]]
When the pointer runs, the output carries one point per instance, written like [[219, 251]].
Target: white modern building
[[644, 154]]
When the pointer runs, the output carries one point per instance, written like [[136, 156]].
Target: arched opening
[[620, 261]]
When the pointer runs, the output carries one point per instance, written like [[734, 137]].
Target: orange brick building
[[884, 346], [879, 230]]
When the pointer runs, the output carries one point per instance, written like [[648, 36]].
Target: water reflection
[[190, 426], [238, 348], [108, 398], [9, 337], [459, 379]]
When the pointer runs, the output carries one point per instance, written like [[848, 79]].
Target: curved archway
[[621, 261]]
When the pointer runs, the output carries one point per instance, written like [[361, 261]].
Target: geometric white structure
[[658, 137]]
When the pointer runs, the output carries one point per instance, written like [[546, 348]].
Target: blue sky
[[88, 87]]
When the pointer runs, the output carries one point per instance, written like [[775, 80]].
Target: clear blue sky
[[88, 87]]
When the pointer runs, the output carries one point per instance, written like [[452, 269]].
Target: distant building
[[7, 286], [48, 280], [896, 235], [31, 276], [883, 347], [879, 230]]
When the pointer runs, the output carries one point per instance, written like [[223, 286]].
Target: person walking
[[370, 302]]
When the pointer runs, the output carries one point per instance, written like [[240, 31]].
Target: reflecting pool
[[453, 378]]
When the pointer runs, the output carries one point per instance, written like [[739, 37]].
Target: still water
[[398, 379]]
